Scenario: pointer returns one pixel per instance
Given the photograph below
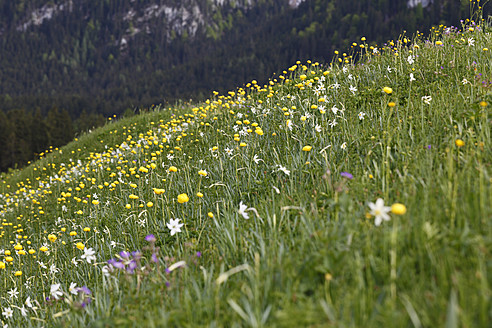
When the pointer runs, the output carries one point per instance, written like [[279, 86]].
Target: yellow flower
[[438, 43], [202, 173], [388, 90], [183, 198], [9, 258], [150, 204], [18, 247], [87, 229], [391, 104], [18, 273], [22, 252], [73, 233], [80, 246], [2, 265], [128, 206], [132, 196], [158, 191], [43, 249], [173, 169], [303, 77], [307, 148], [52, 238], [242, 144], [398, 209], [483, 103], [143, 169], [95, 202], [210, 215], [32, 251], [199, 194], [459, 142], [259, 132]]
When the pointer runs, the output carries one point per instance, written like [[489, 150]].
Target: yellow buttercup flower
[[183, 198], [158, 191], [459, 143], [398, 209], [52, 238], [173, 169], [388, 90], [18, 273], [307, 148], [80, 246], [43, 249]]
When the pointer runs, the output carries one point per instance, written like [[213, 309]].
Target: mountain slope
[[352, 194]]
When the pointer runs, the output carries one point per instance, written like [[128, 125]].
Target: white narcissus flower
[[73, 288], [7, 312], [88, 255], [174, 226], [242, 210], [55, 291], [379, 211], [283, 169]]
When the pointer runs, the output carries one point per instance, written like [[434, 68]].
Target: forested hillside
[[94, 58]]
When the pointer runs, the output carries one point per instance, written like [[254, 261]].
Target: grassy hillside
[[342, 195]]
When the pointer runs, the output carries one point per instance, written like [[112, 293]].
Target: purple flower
[[347, 175], [154, 258], [150, 238], [198, 254], [84, 290], [125, 255], [429, 147], [117, 264]]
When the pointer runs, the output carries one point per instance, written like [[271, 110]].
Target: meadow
[[349, 194]]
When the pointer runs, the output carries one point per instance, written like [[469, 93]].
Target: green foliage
[[289, 172]]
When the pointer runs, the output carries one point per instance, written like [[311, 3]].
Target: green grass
[[310, 254]]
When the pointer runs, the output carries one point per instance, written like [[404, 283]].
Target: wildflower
[[361, 115], [150, 204], [412, 78], [203, 173], [52, 238], [210, 215], [173, 169], [80, 246], [199, 194], [242, 210], [150, 238], [353, 89], [13, 293], [55, 291], [7, 313], [459, 143], [398, 209], [18, 273], [73, 288], [318, 128], [283, 169], [2, 265], [391, 104], [158, 191], [256, 159], [379, 211], [483, 103], [174, 226], [183, 198], [438, 43], [95, 202], [427, 99], [388, 90], [88, 255], [471, 42], [28, 302], [307, 148], [347, 175], [410, 60], [344, 146]]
